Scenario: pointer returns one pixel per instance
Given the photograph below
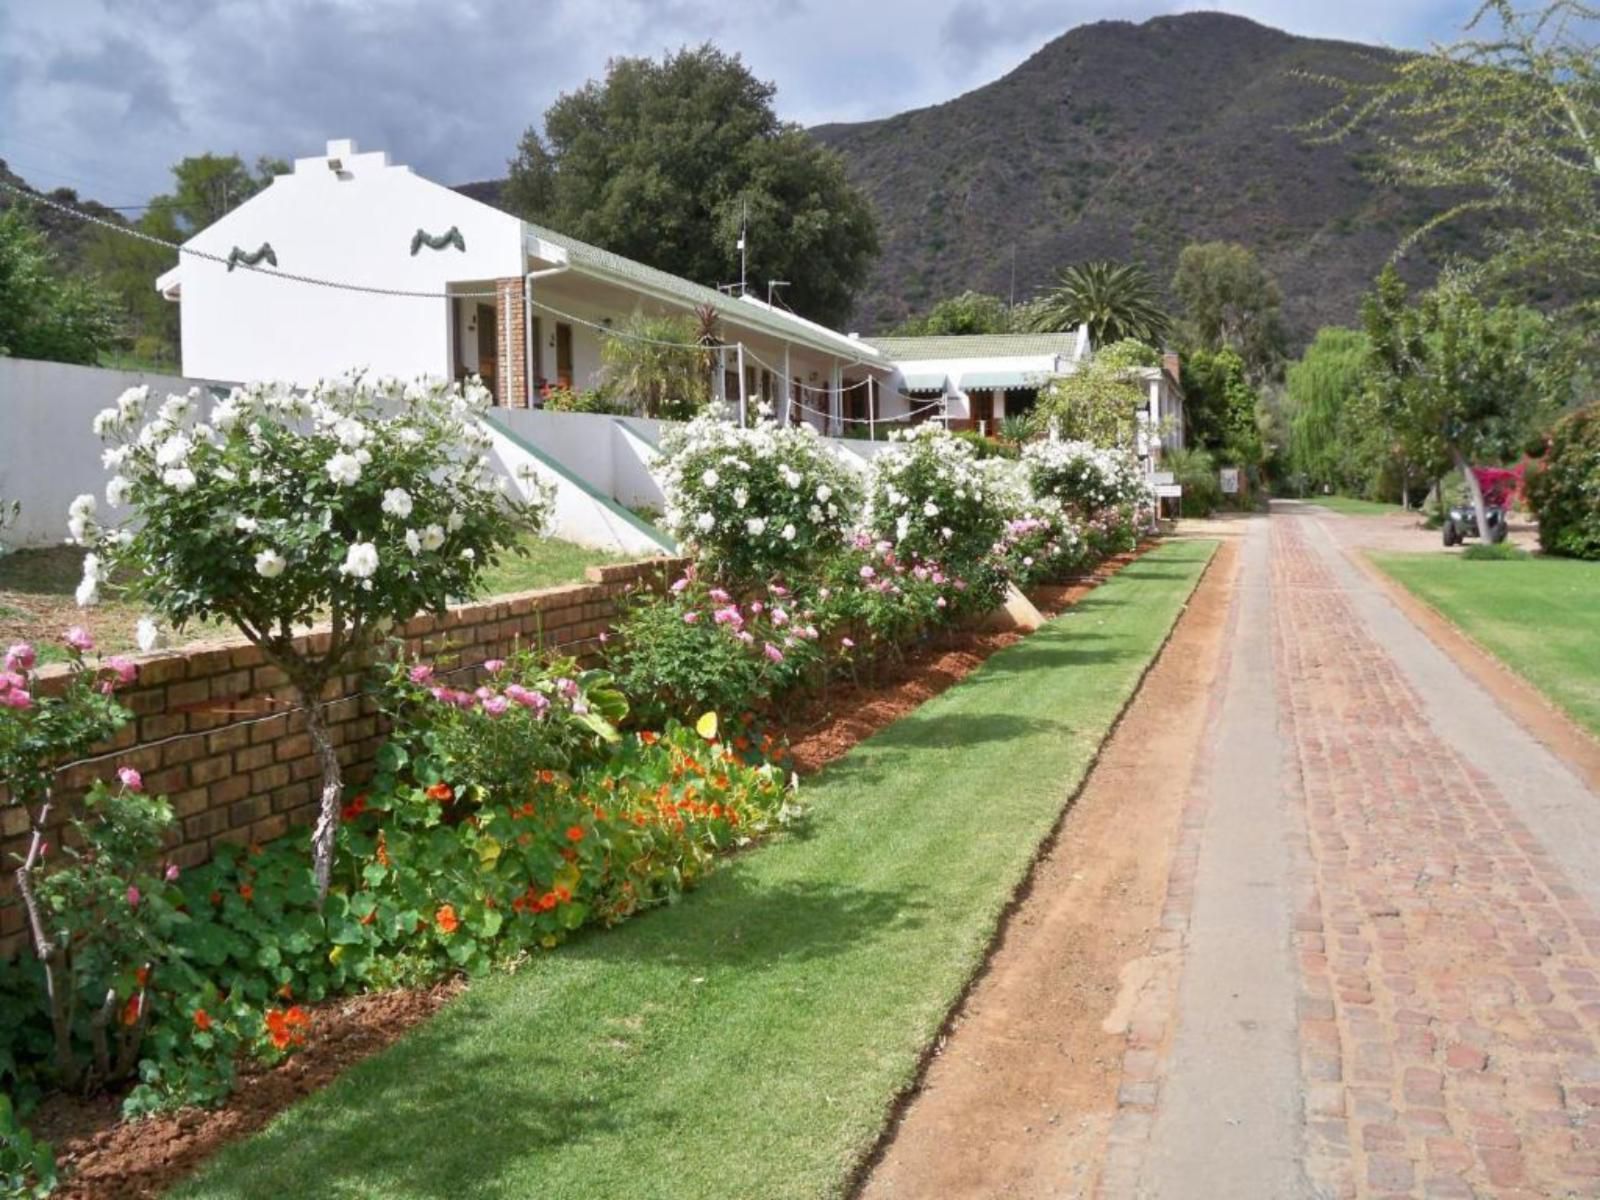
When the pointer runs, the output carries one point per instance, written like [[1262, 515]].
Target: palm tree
[[1116, 300]]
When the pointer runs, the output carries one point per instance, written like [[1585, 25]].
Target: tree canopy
[[970, 312], [1330, 443], [669, 161], [1505, 122], [43, 314], [1230, 302], [1116, 300]]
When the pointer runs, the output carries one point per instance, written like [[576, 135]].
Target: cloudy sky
[[103, 95]]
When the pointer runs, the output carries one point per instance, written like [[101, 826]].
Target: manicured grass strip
[[1351, 507], [548, 562], [750, 1041], [1537, 615]]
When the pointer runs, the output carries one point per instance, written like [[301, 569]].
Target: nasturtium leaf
[[706, 726]]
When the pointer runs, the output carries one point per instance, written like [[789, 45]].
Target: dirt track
[[1020, 1098]]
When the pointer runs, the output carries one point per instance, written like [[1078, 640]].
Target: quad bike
[[1461, 522]]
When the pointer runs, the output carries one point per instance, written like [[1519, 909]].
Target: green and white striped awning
[[926, 381], [1006, 381]]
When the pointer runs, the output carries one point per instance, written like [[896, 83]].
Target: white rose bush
[[756, 504], [359, 503]]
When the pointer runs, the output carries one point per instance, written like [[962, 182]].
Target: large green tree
[[1503, 123], [44, 314], [670, 161], [1231, 302], [1459, 382], [1222, 406], [1330, 443], [968, 313], [1116, 300]]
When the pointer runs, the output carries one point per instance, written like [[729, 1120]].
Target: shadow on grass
[[450, 1111]]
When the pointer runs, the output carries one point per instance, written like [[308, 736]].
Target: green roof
[[926, 381], [976, 345], [1005, 380], [666, 286]]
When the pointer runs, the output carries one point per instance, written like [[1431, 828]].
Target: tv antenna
[[772, 285], [744, 222]]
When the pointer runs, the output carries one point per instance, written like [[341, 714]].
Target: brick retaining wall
[[208, 731]]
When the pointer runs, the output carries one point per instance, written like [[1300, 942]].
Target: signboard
[[1169, 491], [1230, 481], [1161, 478]]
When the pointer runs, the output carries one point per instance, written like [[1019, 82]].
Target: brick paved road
[[1434, 887]]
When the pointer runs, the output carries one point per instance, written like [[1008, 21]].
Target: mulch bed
[[106, 1158]]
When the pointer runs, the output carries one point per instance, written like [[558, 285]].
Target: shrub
[[27, 1166], [360, 503], [1493, 552], [1196, 472], [931, 499], [1088, 480], [652, 366], [562, 399], [700, 647], [755, 504], [1564, 488]]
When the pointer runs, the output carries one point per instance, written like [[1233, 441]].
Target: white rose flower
[[117, 489], [705, 522], [270, 564], [710, 477], [147, 634], [246, 524], [80, 516], [454, 522], [397, 502], [106, 420], [930, 509], [741, 496], [350, 432], [225, 414], [344, 469], [755, 526], [432, 537], [89, 589], [360, 560], [469, 554], [131, 403], [824, 493], [788, 533], [413, 541], [179, 479], [114, 456], [410, 436]]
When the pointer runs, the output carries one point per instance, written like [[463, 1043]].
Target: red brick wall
[[209, 730], [513, 375]]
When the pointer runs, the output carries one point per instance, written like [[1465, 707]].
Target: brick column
[[512, 388]]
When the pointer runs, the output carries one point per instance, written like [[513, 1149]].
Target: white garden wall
[[48, 452]]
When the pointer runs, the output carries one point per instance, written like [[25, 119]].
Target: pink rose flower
[[123, 668], [420, 673], [867, 572], [720, 596], [494, 665], [133, 896], [496, 706], [16, 698], [690, 618], [79, 639], [131, 779], [20, 657], [848, 643], [171, 873], [773, 652], [679, 585]]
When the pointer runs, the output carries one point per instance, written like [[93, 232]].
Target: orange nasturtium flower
[[383, 850], [442, 792], [131, 1010], [288, 1028], [246, 892], [202, 1020], [445, 918], [574, 833]]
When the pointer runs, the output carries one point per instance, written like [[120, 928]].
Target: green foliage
[[1504, 124], [1222, 407], [652, 367], [1128, 353], [1116, 301], [1231, 302], [27, 1166], [1196, 471], [1564, 488], [968, 313], [43, 314], [666, 161], [1494, 552], [1330, 444], [1099, 403], [592, 400]]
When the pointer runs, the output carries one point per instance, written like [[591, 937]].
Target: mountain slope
[[1128, 141]]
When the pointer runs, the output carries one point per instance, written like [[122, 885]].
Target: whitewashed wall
[[48, 452]]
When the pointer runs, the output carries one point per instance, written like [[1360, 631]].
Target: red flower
[[445, 918], [356, 807], [288, 1028], [246, 892], [142, 976], [649, 738], [202, 1020], [130, 1010], [442, 792], [574, 833]]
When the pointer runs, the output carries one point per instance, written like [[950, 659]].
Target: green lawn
[[750, 1041], [1539, 616], [1351, 507], [36, 593]]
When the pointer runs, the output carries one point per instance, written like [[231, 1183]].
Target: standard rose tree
[[355, 503]]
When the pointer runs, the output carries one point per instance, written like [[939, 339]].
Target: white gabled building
[[436, 283]]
